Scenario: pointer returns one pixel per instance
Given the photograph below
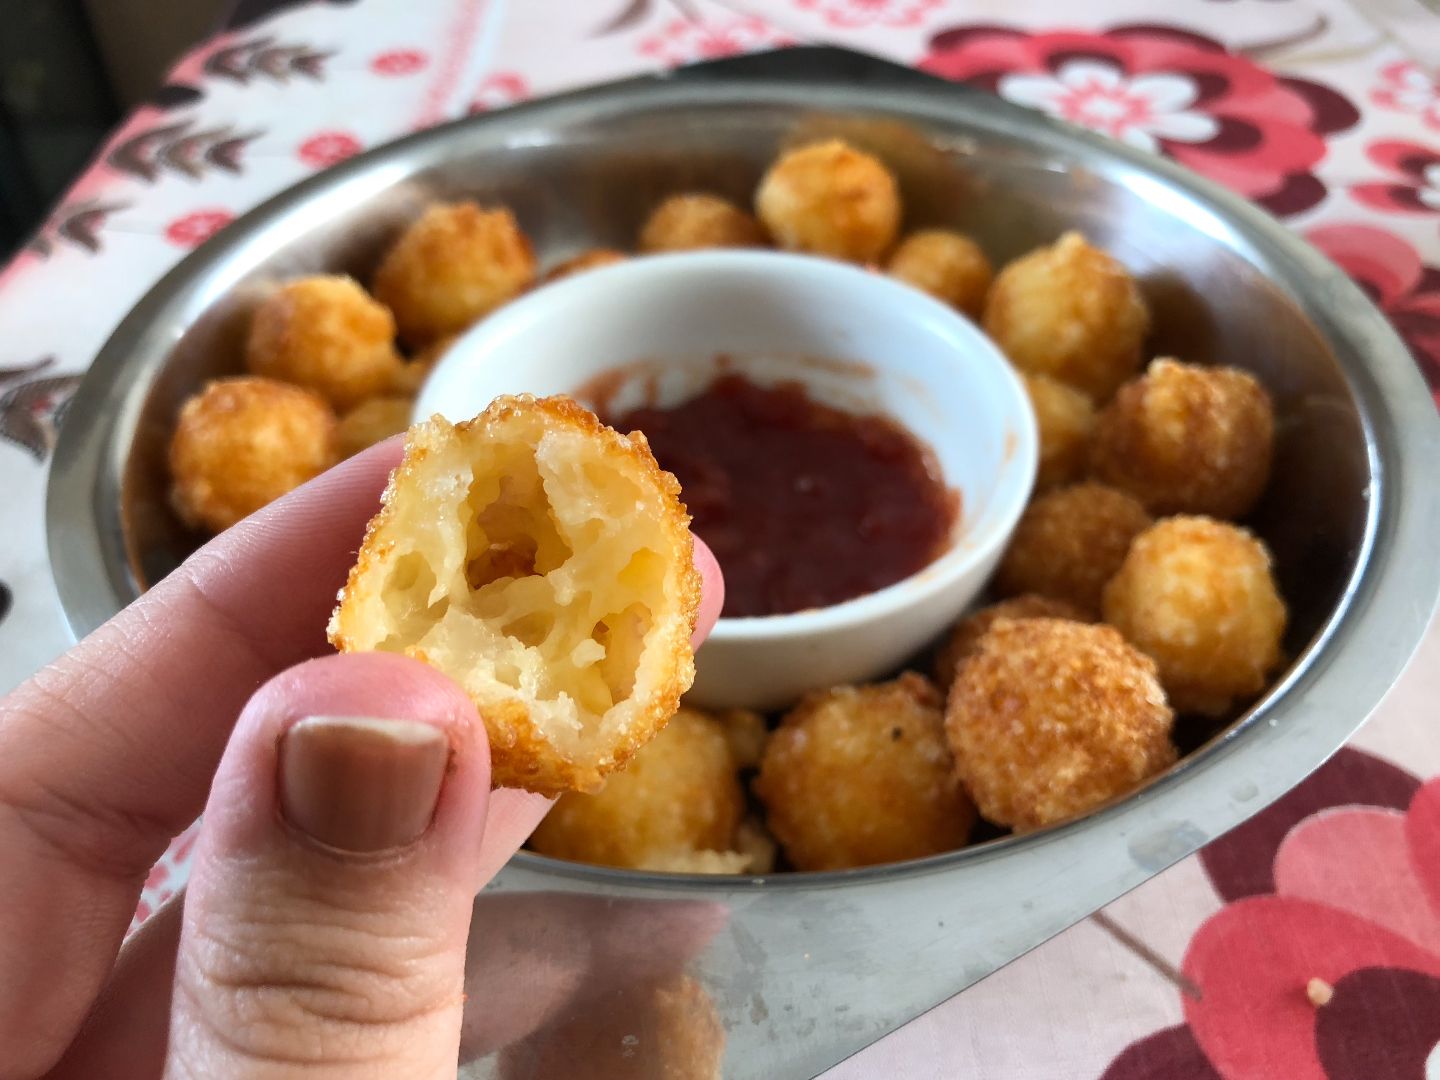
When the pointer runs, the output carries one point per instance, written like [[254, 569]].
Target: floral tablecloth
[[1306, 944]]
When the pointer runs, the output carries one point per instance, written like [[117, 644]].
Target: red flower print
[[328, 148], [1398, 281], [398, 62], [1418, 170], [498, 90], [1166, 90], [1305, 982], [853, 14], [1407, 87], [685, 41], [195, 228]]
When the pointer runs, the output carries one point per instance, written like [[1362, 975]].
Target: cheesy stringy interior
[[533, 568]]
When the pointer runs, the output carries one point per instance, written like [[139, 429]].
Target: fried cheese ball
[[1186, 439], [947, 265], [1070, 311], [1064, 418], [830, 199], [544, 562], [242, 443], [657, 1030], [411, 377], [371, 422], [1198, 596], [694, 221], [1069, 543], [593, 259], [456, 263], [859, 775], [1050, 718], [747, 733], [326, 334], [959, 646], [679, 797]]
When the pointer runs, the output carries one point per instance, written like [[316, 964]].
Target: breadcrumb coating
[[1070, 311], [1050, 718], [830, 199], [1186, 439], [1069, 543], [241, 443], [860, 775], [1198, 596]]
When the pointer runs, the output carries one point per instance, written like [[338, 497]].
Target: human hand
[[325, 923]]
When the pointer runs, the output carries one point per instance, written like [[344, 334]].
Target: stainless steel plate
[[806, 969]]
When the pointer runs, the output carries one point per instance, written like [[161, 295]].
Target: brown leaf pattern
[[262, 58], [176, 148], [32, 410]]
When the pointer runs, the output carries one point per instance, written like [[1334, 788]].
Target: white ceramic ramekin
[[662, 327]]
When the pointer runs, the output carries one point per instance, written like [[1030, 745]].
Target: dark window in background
[[69, 70]]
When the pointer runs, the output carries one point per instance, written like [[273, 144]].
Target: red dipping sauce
[[803, 505]]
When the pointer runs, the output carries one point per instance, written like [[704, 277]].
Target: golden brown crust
[[1064, 419], [410, 379], [960, 644], [1050, 718], [1197, 595], [830, 199], [676, 802], [697, 220], [545, 562], [1186, 439], [947, 265], [856, 776], [241, 443], [455, 264], [1072, 312], [1069, 543], [593, 259], [327, 334]]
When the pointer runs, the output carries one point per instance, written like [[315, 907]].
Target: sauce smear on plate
[[803, 505]]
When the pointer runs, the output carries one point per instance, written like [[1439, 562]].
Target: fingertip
[[712, 592]]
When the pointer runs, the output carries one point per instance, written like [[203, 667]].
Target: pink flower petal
[[1358, 859], [1422, 830], [1252, 961], [1374, 257]]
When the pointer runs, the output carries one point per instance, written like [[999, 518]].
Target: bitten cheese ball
[[371, 422], [960, 645], [544, 562], [1198, 596], [1070, 311], [830, 199], [695, 221], [455, 264], [242, 443], [1069, 543], [325, 334], [859, 775], [1050, 718], [679, 797], [1064, 418], [947, 265], [593, 259], [1186, 439]]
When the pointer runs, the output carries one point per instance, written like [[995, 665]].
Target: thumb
[[325, 924]]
